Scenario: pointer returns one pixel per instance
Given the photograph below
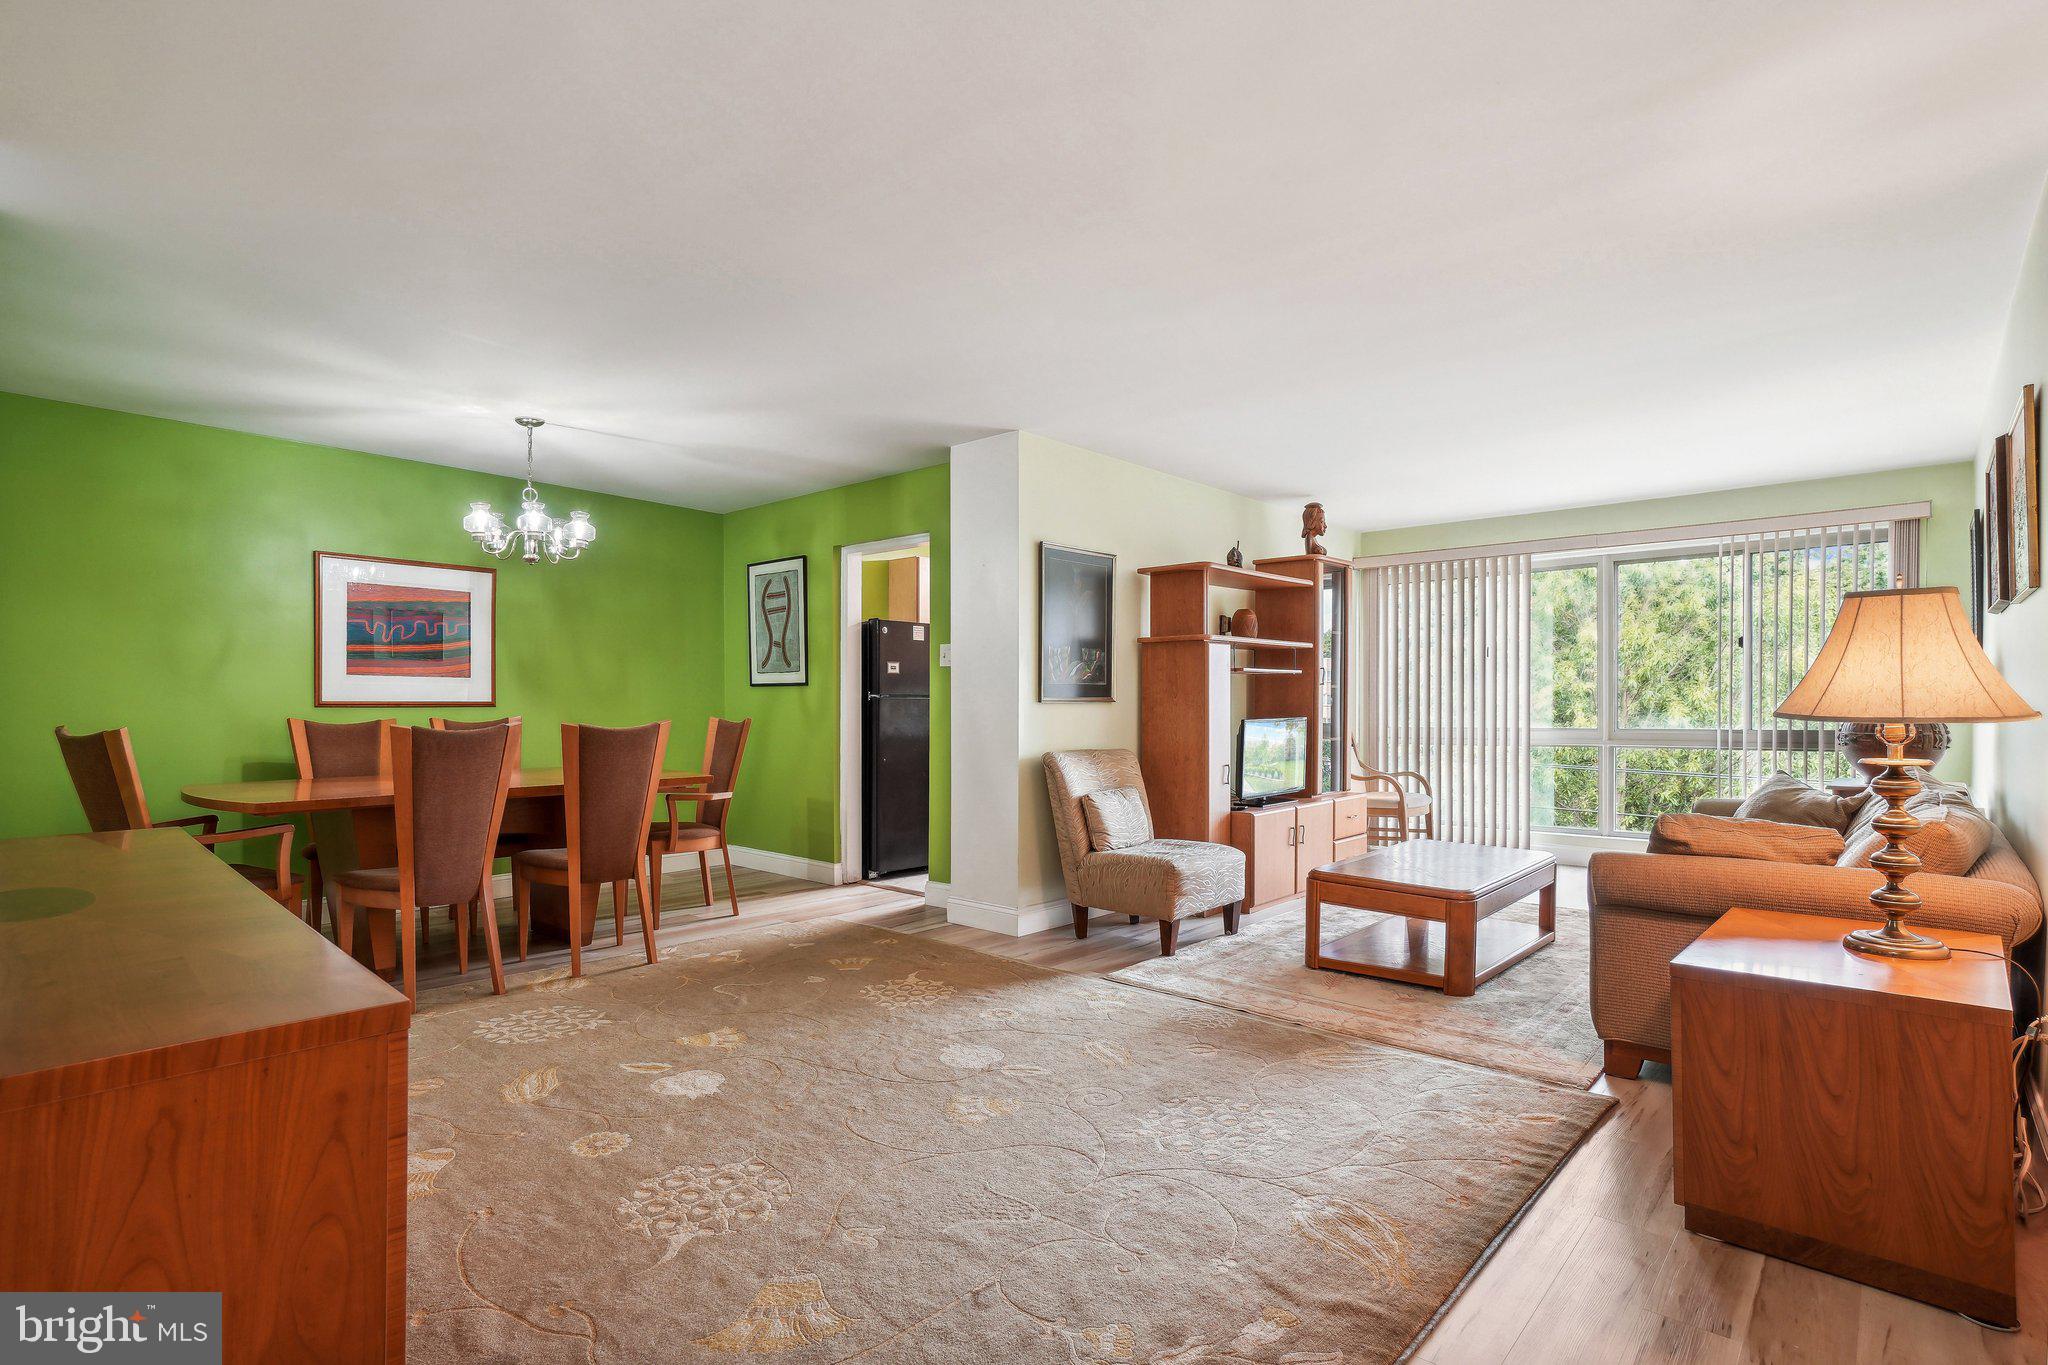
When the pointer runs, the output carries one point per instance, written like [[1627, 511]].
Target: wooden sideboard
[[1850, 1113], [198, 1092]]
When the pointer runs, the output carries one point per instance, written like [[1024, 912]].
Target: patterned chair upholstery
[[1166, 880]]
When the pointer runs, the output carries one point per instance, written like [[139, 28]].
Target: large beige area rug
[[839, 1143], [1535, 1019]]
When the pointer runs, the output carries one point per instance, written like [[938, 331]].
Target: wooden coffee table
[[1444, 895]]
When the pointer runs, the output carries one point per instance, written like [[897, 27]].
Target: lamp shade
[[1905, 654]]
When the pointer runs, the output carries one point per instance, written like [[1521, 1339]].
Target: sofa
[[1646, 907]]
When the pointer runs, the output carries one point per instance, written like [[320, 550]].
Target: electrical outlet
[[946, 655]]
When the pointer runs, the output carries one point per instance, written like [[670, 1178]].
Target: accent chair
[[1111, 861]]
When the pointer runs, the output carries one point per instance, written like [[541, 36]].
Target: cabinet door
[[1313, 843], [1267, 840]]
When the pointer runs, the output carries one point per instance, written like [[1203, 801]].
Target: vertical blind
[[1779, 592], [1446, 673]]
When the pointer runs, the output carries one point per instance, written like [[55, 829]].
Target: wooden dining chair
[[448, 797], [1394, 812], [109, 787], [609, 779], [335, 749], [456, 723], [725, 742]]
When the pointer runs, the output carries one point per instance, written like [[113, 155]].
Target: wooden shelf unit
[[1186, 735]]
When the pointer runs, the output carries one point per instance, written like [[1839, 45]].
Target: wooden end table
[[1444, 895], [1850, 1113]]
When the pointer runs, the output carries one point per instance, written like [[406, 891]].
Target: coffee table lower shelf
[[1399, 949]]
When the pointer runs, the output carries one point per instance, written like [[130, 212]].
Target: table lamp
[[1901, 658]]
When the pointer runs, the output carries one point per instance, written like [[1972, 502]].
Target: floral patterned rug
[[1535, 1019], [834, 1143]]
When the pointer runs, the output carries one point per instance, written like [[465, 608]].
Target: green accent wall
[[792, 750], [160, 578]]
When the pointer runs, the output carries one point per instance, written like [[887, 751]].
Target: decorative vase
[[1857, 740], [1244, 621]]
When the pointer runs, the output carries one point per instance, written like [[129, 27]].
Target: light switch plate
[[946, 655]]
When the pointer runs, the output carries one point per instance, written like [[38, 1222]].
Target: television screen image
[[1272, 757]]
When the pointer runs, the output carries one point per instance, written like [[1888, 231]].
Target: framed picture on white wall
[[1076, 624], [403, 632]]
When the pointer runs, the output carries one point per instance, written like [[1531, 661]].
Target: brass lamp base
[[1896, 782], [1885, 943]]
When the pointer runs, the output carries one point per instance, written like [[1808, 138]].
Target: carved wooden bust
[[1313, 527]]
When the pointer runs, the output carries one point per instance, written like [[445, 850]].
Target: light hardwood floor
[[1599, 1269]]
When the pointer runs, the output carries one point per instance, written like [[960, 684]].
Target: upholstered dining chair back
[[448, 795], [725, 743], [341, 748], [103, 772], [609, 776], [452, 723], [1071, 774]]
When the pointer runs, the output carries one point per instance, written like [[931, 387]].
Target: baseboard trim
[[1012, 920], [937, 894], [782, 864], [754, 859]]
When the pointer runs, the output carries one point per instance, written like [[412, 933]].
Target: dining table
[[353, 825]]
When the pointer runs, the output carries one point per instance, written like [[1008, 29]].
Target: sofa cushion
[[1786, 800], [1950, 840], [1728, 836], [1165, 879], [1116, 818]]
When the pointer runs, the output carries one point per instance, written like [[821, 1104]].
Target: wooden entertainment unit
[[1186, 704]]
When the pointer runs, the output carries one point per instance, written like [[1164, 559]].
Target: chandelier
[[533, 532]]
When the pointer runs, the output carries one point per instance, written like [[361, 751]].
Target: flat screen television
[[1272, 758]]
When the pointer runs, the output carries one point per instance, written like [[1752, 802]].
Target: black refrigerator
[[896, 721]]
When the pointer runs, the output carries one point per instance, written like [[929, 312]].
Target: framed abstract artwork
[[1977, 574], [2023, 490], [778, 630], [401, 632], [1076, 624], [1997, 532]]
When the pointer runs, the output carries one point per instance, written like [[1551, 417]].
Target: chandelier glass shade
[[533, 534]]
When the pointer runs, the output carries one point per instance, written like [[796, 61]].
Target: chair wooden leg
[[1080, 920], [344, 923], [383, 952], [730, 894], [1169, 936], [654, 886], [582, 902], [704, 871], [408, 950], [487, 911], [316, 895], [647, 925], [1230, 914], [461, 913], [618, 914]]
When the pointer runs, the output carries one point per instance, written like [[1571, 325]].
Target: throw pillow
[[1116, 818], [1728, 836], [1950, 840], [1786, 800]]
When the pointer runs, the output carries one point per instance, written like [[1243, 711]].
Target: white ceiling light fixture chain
[[533, 532]]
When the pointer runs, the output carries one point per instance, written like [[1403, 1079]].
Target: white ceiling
[[1422, 261]]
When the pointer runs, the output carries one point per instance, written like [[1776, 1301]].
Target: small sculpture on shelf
[[1235, 559], [1312, 528]]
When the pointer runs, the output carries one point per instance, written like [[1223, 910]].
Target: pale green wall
[[1079, 498], [158, 575], [1944, 542], [792, 756]]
